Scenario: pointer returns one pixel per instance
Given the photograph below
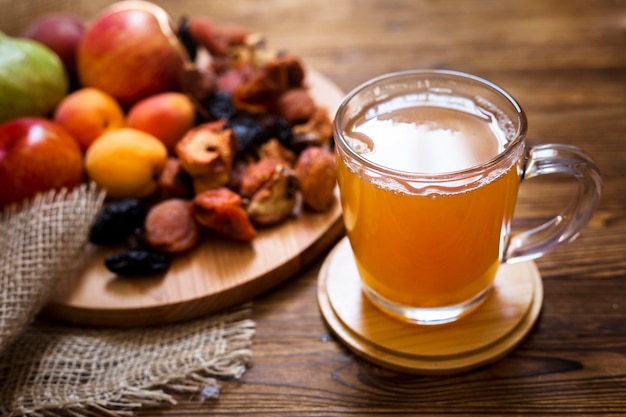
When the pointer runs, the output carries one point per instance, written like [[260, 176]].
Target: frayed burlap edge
[[55, 370], [107, 372]]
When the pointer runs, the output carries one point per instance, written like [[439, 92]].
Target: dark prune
[[281, 130], [137, 263], [247, 130], [278, 128], [221, 106], [186, 39], [117, 221]]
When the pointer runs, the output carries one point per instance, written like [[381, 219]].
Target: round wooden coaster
[[483, 336]]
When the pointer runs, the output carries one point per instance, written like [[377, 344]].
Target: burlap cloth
[[51, 369]]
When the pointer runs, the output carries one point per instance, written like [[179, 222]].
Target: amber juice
[[431, 242]]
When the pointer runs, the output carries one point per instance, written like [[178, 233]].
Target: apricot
[[126, 163], [87, 113], [170, 226], [317, 175], [166, 116], [221, 210]]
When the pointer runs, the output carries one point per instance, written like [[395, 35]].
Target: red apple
[[60, 33], [131, 52], [36, 155]]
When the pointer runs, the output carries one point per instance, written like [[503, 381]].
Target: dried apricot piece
[[316, 173], [170, 226], [220, 210], [295, 106]]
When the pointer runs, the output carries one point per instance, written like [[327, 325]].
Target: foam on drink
[[433, 135]]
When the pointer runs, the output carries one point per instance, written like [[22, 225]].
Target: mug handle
[[566, 226]]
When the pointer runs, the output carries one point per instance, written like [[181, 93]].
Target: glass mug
[[429, 167]]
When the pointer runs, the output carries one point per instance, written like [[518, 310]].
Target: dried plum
[[137, 263], [280, 129], [221, 106], [248, 131], [117, 221]]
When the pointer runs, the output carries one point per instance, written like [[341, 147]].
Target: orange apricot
[[88, 113]]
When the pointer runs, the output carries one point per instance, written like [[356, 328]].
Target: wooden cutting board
[[213, 276]]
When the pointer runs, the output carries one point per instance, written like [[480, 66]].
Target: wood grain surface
[[565, 62]]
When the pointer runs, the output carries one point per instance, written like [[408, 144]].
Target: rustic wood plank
[[566, 64]]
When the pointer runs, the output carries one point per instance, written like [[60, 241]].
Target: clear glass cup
[[429, 167]]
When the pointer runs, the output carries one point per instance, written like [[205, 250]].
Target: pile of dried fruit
[[259, 150]]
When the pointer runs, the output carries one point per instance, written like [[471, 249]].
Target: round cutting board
[[214, 275]]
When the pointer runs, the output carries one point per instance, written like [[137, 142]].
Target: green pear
[[32, 78]]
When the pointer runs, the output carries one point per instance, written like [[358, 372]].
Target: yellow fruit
[[126, 163]]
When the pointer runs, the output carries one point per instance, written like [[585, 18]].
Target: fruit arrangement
[[190, 129]]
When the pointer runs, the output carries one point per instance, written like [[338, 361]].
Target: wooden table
[[565, 61]]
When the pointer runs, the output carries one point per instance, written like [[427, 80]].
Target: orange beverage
[[429, 166], [435, 241]]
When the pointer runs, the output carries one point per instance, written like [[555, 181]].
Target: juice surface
[[428, 139], [427, 249]]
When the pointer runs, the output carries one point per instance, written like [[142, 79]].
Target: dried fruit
[[246, 163], [317, 131], [277, 128], [295, 106], [276, 198], [218, 39], [275, 77], [220, 210], [174, 181], [220, 106], [257, 174], [207, 153], [170, 226], [273, 149], [316, 173], [229, 79], [199, 83], [137, 263], [249, 131], [117, 221]]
